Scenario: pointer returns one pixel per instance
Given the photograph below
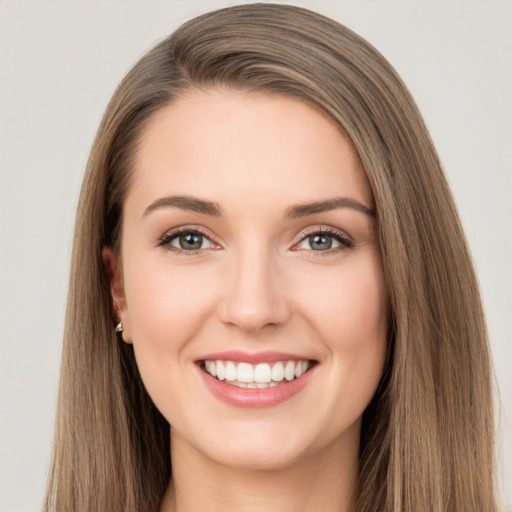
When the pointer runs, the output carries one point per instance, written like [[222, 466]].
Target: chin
[[260, 446], [258, 457]]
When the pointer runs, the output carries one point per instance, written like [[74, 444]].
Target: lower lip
[[255, 398]]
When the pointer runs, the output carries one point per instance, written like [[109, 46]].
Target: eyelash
[[165, 240], [344, 241]]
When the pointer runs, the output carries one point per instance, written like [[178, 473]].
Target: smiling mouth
[[256, 376]]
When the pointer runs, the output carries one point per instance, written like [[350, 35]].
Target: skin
[[255, 285]]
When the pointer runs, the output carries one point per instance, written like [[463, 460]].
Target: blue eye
[[186, 240], [322, 241]]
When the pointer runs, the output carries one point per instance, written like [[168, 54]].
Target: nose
[[254, 295]]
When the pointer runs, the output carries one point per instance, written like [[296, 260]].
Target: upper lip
[[252, 357]]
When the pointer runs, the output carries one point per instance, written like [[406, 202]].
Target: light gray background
[[59, 64]]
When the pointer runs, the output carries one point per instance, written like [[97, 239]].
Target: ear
[[114, 273]]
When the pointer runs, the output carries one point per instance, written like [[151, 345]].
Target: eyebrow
[[186, 203], [194, 204], [303, 210]]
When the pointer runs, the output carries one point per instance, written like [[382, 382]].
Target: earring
[[119, 327]]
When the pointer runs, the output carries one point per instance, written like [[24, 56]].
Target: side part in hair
[[427, 440]]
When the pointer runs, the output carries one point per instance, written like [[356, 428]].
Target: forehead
[[229, 144]]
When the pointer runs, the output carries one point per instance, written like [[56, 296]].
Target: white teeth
[[230, 371], [245, 372], [261, 375], [301, 368], [239, 384], [221, 372], [278, 372], [289, 371]]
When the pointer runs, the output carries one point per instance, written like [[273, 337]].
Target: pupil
[[320, 242], [191, 241]]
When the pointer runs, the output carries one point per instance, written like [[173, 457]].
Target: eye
[[188, 240], [323, 241]]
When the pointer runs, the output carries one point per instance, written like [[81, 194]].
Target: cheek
[[167, 308], [165, 302], [167, 305], [351, 306], [352, 317]]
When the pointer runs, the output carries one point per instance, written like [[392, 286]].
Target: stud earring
[[119, 327]]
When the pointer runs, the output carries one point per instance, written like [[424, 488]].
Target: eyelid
[[322, 228], [345, 240], [165, 239]]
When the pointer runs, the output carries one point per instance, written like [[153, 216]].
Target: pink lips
[[253, 398]]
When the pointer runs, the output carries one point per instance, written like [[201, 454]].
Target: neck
[[325, 480]]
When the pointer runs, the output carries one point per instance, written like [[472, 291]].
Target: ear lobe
[[113, 270]]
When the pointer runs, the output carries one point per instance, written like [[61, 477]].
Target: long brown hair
[[427, 437]]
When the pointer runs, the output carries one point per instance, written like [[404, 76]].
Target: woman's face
[[250, 253]]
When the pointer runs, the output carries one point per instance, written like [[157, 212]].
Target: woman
[[265, 220]]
